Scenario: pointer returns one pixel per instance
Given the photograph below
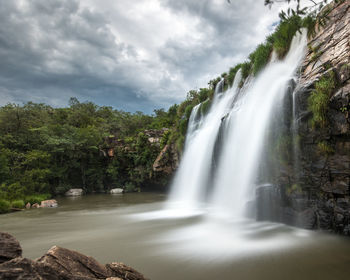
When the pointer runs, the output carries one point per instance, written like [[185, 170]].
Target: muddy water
[[171, 244]]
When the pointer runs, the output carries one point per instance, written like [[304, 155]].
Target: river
[[133, 228]]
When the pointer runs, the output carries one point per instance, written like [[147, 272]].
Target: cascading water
[[245, 116], [193, 174]]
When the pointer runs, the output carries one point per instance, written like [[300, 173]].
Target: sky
[[136, 55]]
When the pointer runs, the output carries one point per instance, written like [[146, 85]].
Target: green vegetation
[[45, 151], [325, 148], [294, 189], [5, 206], [19, 204], [260, 57], [319, 98]]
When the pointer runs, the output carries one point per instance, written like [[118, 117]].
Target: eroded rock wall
[[318, 197]]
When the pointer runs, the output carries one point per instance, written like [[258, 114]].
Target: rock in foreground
[[9, 247], [57, 263]]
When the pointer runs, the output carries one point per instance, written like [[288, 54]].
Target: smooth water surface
[[170, 244]]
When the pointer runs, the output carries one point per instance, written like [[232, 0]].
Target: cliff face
[[320, 196]]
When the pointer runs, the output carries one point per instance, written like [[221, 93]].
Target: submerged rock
[[74, 192], [57, 264]]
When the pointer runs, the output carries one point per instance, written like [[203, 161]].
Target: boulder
[[9, 247], [52, 203], [28, 205], [36, 205], [72, 262], [116, 191], [74, 192]]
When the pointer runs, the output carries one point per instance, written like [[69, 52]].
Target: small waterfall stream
[[244, 116]]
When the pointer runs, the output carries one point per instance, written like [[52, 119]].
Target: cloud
[[133, 55]]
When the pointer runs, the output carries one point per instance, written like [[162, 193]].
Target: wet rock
[[116, 191], [28, 205], [52, 203], [9, 247], [57, 264], [123, 271], [268, 200], [306, 219], [72, 262], [324, 175], [36, 205], [74, 192]]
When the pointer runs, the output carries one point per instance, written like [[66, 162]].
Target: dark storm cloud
[[50, 49], [115, 53]]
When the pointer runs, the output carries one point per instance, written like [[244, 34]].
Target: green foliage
[[19, 204], [325, 148], [204, 94], [260, 57], [294, 189], [319, 98], [284, 33], [205, 107], [5, 206], [188, 111], [183, 126], [12, 191], [37, 198], [50, 150], [309, 22]]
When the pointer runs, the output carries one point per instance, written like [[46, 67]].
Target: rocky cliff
[[318, 196]]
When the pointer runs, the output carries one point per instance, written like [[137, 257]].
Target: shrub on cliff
[[260, 57], [319, 98]]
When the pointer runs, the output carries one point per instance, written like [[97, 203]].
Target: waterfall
[[193, 174], [243, 116]]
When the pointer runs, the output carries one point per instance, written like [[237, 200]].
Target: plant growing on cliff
[[325, 148], [294, 189], [260, 57], [319, 99]]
